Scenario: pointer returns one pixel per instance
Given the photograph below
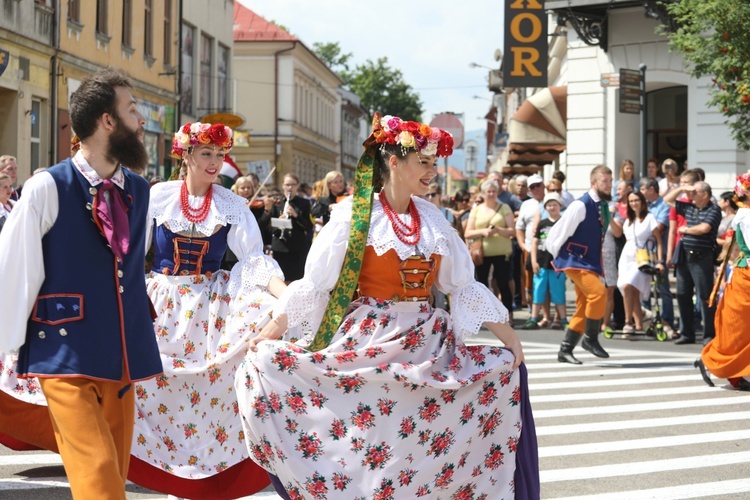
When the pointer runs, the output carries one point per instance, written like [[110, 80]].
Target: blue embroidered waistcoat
[[583, 250], [92, 317], [184, 255]]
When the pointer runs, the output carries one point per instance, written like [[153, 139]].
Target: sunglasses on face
[[465, 200], [431, 195], [555, 190]]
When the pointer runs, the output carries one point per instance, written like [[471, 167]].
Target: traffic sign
[[450, 122]]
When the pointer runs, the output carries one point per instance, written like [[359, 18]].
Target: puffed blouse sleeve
[[253, 267], [472, 303], [304, 301]]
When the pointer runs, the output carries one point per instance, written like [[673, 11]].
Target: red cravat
[[114, 218]]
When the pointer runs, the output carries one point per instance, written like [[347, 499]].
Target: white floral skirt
[[395, 407], [27, 390], [187, 421]]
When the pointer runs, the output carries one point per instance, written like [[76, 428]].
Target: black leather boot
[[566, 347], [591, 338]]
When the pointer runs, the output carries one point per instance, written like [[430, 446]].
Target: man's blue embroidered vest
[[92, 317], [583, 250]]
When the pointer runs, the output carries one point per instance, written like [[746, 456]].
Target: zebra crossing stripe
[[713, 489], [17, 484], [641, 423], [646, 467], [641, 444], [617, 363], [607, 382], [639, 407], [606, 372], [640, 393], [30, 459]]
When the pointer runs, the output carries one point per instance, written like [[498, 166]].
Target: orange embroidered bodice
[[390, 278]]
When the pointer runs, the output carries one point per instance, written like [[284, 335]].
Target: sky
[[432, 43]]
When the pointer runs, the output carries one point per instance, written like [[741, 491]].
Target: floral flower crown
[[742, 184], [193, 134], [422, 138]]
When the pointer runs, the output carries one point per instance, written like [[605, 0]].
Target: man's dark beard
[[604, 196], [126, 148]]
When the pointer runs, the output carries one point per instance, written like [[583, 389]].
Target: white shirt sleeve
[[21, 257], [472, 303], [565, 227], [253, 268], [304, 301]]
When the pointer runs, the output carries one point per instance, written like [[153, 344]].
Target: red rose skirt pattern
[[395, 407], [187, 421]]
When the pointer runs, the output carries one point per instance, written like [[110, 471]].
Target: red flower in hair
[[186, 128], [219, 134], [411, 127], [445, 146]]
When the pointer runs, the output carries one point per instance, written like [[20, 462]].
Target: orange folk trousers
[[591, 297], [94, 431]]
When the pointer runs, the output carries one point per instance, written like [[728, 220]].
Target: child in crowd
[[545, 276]]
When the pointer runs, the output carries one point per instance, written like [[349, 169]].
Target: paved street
[[639, 425]]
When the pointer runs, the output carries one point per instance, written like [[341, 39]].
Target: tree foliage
[[330, 53], [712, 36], [380, 87]]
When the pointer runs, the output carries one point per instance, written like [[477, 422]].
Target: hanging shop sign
[[525, 58]]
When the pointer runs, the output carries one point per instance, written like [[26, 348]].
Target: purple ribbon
[[114, 218]]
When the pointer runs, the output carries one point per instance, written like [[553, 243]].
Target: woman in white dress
[[188, 438], [640, 229], [386, 400]]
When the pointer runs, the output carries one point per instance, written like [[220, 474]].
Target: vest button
[[89, 206], [120, 274], [63, 332], [42, 335], [92, 190], [121, 289]]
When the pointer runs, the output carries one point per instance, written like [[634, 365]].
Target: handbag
[[475, 244], [646, 258], [476, 251]]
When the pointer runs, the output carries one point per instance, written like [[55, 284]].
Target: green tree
[[713, 38], [379, 86], [330, 53], [383, 89]]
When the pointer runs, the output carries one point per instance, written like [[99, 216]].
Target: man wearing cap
[[525, 234], [575, 243]]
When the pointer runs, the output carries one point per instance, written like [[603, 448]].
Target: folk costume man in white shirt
[[75, 308], [575, 243]]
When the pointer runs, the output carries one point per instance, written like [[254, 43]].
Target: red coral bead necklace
[[408, 234], [195, 215]]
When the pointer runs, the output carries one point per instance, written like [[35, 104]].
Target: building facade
[[206, 59], [27, 37], [139, 36], [289, 98], [606, 36]]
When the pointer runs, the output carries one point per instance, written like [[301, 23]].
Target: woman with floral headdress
[[727, 355], [188, 438], [386, 400]]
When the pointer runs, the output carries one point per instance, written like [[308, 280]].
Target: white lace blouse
[[472, 304], [253, 268]]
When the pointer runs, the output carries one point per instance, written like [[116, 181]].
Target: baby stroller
[[656, 327]]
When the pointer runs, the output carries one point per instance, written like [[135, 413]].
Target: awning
[[538, 129]]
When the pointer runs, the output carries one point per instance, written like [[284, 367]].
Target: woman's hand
[[272, 331], [535, 267], [517, 350], [290, 211]]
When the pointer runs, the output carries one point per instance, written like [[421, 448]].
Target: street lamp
[[475, 65]]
